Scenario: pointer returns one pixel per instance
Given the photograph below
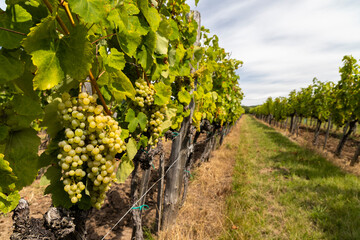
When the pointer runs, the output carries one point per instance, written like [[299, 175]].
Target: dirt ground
[[306, 136]]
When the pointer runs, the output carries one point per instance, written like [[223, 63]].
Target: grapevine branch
[[104, 37], [12, 31], [94, 84], [58, 19], [65, 5]]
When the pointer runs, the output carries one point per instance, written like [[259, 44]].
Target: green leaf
[[21, 152], [20, 14], [49, 72], [8, 178], [142, 120], [163, 93], [184, 96], [198, 53], [10, 67], [26, 106], [197, 116], [165, 28], [10, 40], [151, 14], [130, 39], [162, 44], [51, 120], [131, 148], [4, 132], [145, 58], [114, 60], [132, 120], [56, 188], [49, 175], [91, 11], [121, 86], [196, 2], [41, 36], [126, 166], [75, 53], [9, 202]]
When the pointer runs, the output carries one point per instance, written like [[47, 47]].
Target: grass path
[[283, 191]]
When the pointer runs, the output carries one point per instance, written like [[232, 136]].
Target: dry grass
[[203, 215]]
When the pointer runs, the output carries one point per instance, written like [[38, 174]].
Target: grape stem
[[12, 31], [65, 5], [58, 19], [94, 84], [146, 78], [104, 37]]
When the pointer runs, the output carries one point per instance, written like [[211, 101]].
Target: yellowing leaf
[[48, 73]]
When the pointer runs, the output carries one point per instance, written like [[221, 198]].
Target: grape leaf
[[142, 120], [26, 106], [184, 96], [10, 67], [165, 29], [41, 36], [163, 94], [4, 132], [151, 14], [92, 11], [198, 53], [9, 202], [121, 86], [51, 120], [49, 72], [114, 60], [162, 44], [145, 58], [56, 188], [133, 121], [20, 14], [21, 152], [50, 173], [75, 53], [130, 39], [8, 178], [126, 166], [10, 40], [131, 148]]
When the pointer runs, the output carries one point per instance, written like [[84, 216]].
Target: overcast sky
[[284, 43]]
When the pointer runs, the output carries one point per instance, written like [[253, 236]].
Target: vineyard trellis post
[[178, 156]]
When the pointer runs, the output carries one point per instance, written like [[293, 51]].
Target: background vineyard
[[336, 105]]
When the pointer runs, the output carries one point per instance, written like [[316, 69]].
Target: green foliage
[[126, 166], [120, 43]]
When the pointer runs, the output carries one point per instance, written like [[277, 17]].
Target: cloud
[[2, 4], [284, 44]]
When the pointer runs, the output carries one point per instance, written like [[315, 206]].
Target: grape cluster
[[88, 151], [156, 114]]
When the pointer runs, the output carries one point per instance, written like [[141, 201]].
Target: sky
[[284, 44]]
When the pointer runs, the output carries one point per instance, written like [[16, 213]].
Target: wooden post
[[178, 156]]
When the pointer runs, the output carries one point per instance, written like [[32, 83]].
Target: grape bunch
[[88, 151], [156, 114]]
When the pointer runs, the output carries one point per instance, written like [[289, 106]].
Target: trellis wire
[[140, 199], [154, 184]]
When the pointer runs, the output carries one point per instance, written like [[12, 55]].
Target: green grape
[[156, 114], [87, 152]]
